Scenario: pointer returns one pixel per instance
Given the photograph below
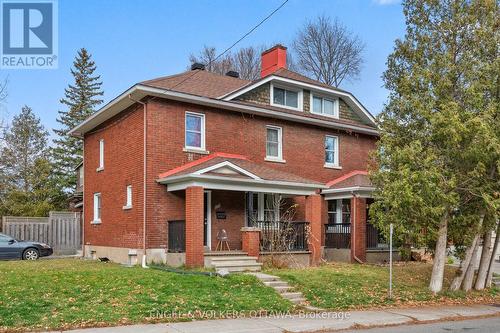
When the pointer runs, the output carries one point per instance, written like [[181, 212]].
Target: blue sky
[[134, 40]]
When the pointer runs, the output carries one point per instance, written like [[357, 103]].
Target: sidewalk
[[307, 323]]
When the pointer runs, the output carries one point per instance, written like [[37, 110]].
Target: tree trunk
[[457, 281], [485, 260], [489, 277], [469, 275], [436, 284]]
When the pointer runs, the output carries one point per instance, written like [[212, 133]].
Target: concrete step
[[297, 300], [234, 263], [282, 289], [292, 295], [266, 277], [224, 253], [241, 268], [274, 283], [233, 258]]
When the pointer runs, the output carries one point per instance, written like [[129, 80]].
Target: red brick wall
[[226, 131], [250, 242], [122, 166], [358, 234], [233, 204], [194, 226]]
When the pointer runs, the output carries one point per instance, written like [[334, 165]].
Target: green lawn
[[346, 286], [64, 293]]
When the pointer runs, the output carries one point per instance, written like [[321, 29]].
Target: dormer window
[[325, 106], [286, 97]]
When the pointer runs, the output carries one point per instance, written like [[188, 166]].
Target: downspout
[[353, 246], [144, 185]]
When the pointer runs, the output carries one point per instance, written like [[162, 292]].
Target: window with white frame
[[331, 151], [101, 155], [97, 207], [325, 106], [195, 131], [286, 97], [274, 143], [265, 207], [339, 211], [128, 201]]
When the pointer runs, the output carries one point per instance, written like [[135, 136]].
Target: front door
[[207, 239]]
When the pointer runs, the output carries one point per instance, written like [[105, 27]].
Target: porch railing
[[177, 236], [282, 236], [374, 238], [338, 236]]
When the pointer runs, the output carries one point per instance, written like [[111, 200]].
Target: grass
[[70, 293], [345, 286]]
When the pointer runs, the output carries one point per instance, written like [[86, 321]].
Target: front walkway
[[310, 322]]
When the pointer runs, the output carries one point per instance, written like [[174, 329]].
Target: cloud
[[386, 2]]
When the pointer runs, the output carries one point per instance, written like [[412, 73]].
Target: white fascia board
[[229, 165], [350, 97], [137, 92], [349, 189], [224, 183], [348, 192]]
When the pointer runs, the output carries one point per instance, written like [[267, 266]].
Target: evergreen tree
[[80, 99], [26, 170], [439, 131]]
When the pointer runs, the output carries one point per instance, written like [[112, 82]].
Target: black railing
[[282, 236], [177, 236], [338, 236], [374, 238]]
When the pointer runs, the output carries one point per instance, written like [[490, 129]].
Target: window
[[346, 210], [332, 212], [286, 97], [97, 208], [331, 151], [195, 131], [101, 155], [274, 149], [128, 203], [265, 207], [325, 106]]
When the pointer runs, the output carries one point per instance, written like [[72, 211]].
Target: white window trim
[[97, 220], [335, 101], [300, 100], [191, 148], [336, 155], [101, 155], [128, 197], [278, 158], [261, 205]]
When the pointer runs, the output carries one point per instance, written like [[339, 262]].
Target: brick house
[[178, 165]]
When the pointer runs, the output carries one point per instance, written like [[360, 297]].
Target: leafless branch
[[327, 51]]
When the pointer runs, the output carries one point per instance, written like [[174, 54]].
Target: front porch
[[235, 207]]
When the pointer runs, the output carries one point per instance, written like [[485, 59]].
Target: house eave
[[139, 91], [181, 182], [348, 192]]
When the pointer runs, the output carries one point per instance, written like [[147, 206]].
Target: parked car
[[11, 248]]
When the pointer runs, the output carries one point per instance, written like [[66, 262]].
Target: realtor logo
[[29, 34]]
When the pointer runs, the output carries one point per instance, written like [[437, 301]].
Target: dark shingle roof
[[257, 169], [198, 82]]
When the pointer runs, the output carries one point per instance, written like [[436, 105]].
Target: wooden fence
[[61, 230]]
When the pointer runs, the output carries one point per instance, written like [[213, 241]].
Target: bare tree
[[246, 61], [326, 50]]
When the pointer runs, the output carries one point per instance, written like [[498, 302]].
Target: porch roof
[[237, 173], [355, 182]]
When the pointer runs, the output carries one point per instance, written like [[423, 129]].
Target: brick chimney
[[273, 59]]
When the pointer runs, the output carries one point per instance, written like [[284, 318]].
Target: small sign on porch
[[221, 215]]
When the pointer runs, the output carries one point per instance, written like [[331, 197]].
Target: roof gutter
[[139, 91]]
